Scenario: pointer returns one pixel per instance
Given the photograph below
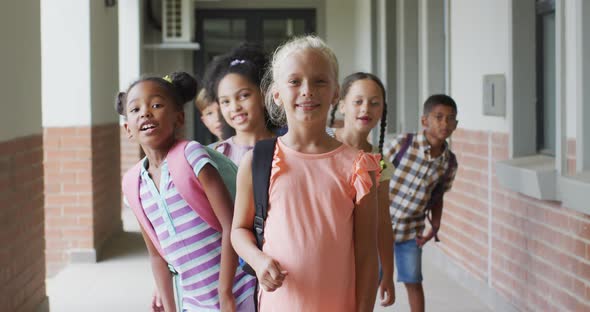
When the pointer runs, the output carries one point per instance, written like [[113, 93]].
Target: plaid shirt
[[417, 183]]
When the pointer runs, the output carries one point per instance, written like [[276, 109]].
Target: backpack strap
[[402, 151], [131, 182], [188, 185], [261, 168]]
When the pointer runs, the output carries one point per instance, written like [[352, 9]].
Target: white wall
[[340, 34], [479, 45], [130, 41], [362, 46], [65, 41], [20, 82], [344, 24], [104, 55]]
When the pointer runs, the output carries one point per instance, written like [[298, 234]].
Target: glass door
[[218, 31]]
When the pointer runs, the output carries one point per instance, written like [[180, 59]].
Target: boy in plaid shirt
[[425, 170]]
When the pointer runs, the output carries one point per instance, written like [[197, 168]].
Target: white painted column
[[407, 66], [431, 48], [130, 41]]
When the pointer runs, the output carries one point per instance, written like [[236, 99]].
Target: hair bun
[[185, 85], [249, 52]]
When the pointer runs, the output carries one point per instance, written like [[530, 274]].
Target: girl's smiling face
[[306, 87], [363, 105], [151, 115], [241, 102]]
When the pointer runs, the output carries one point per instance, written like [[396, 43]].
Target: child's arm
[[436, 208], [269, 272], [221, 202], [162, 275], [436, 204], [365, 249], [385, 240]]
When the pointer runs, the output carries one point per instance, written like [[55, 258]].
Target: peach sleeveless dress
[[309, 229]]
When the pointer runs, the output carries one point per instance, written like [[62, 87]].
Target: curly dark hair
[[180, 86], [247, 60]]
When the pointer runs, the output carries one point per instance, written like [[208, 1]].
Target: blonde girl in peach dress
[[320, 247]]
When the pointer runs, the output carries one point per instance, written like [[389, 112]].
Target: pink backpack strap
[[131, 183], [189, 186]]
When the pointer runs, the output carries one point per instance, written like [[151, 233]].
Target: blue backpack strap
[[403, 149]]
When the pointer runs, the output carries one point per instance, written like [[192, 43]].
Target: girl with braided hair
[[362, 102]]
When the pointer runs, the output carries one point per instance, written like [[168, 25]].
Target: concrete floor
[[123, 282]]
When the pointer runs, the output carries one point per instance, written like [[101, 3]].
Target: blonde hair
[[276, 112], [202, 101]]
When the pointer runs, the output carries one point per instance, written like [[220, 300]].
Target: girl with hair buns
[[179, 239]]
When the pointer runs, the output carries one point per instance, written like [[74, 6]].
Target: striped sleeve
[[197, 157]]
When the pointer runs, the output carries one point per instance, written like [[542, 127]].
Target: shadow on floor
[[124, 245]]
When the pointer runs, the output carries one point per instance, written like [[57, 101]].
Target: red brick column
[[540, 251], [82, 192], [22, 261]]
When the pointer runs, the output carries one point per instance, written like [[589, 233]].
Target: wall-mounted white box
[[494, 95]]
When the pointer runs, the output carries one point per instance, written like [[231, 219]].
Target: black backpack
[[261, 167]]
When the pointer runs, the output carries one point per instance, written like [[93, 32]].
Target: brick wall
[[22, 264], [540, 250], [81, 192], [68, 193], [571, 157]]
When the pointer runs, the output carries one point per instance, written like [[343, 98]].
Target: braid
[[383, 128], [333, 115]]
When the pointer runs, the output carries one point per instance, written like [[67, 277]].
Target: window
[[546, 82]]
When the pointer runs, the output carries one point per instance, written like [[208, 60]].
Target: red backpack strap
[[131, 183], [188, 185]]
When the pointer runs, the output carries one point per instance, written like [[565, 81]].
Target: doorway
[[219, 30]]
